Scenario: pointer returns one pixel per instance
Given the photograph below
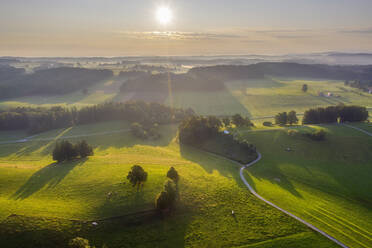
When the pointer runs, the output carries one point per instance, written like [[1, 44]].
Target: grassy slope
[[32, 185], [326, 183]]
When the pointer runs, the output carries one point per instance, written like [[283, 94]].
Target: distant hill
[[197, 79], [345, 72], [15, 83]]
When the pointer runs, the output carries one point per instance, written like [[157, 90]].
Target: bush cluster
[[318, 135], [145, 132], [65, 151]]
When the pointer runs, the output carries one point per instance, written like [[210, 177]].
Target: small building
[[329, 94]]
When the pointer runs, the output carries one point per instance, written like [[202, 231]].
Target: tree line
[[332, 114], [50, 81], [40, 119]]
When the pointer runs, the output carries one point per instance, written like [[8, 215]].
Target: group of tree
[[201, 131], [332, 114], [145, 132], [286, 118], [166, 199], [49, 81], [241, 121], [40, 119], [66, 151]]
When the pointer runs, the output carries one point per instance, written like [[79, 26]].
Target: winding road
[[250, 188], [279, 208]]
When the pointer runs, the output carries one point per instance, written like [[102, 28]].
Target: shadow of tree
[[210, 162], [49, 176]]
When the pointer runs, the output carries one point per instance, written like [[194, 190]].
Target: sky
[[198, 27]]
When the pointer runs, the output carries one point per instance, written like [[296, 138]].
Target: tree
[[304, 87], [137, 176], [79, 243], [84, 149], [57, 153], [292, 117], [281, 118], [173, 174], [162, 201], [166, 199]]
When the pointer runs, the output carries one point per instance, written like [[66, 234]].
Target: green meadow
[[43, 203], [326, 183]]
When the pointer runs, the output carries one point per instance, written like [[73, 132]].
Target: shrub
[[292, 132], [318, 135], [145, 132], [79, 243]]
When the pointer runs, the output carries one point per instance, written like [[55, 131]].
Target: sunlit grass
[[326, 183], [31, 184]]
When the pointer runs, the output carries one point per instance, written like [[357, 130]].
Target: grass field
[[51, 202], [326, 183]]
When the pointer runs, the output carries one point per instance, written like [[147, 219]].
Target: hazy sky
[[198, 27]]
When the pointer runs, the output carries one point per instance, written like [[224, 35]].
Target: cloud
[[176, 35], [358, 31]]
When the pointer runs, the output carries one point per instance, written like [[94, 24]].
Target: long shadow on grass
[[49, 176], [210, 162], [127, 139]]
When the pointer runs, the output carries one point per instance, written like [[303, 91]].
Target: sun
[[164, 15]]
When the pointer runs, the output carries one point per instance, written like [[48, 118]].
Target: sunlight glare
[[164, 15]]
